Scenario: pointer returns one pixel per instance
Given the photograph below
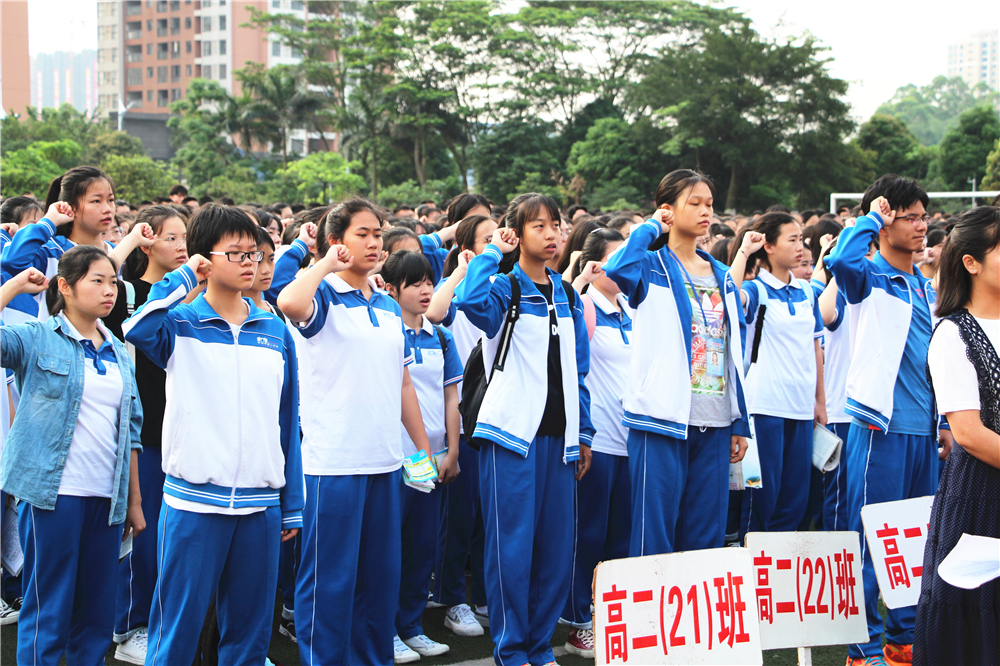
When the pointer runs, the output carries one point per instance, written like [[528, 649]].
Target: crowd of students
[[201, 411]]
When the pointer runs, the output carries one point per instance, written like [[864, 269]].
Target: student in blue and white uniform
[[80, 207], [353, 359], [71, 459], [234, 485], [533, 425], [436, 372], [785, 390], [892, 451], [687, 331], [603, 506], [461, 536]]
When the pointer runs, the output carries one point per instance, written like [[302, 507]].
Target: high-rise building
[[976, 59], [65, 77], [149, 50], [15, 64]]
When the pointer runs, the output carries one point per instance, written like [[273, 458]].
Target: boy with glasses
[[891, 448], [234, 485]]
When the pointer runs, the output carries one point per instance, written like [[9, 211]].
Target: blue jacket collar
[[205, 312]]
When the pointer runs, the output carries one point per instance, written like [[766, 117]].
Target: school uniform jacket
[[658, 393], [512, 408], [223, 442], [880, 304]]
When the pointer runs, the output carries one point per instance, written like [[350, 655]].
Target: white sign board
[[896, 533], [809, 589], [684, 608]]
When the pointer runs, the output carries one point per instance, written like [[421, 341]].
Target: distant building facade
[[65, 78], [976, 59], [15, 63]]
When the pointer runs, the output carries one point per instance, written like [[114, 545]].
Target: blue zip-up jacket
[[436, 254], [881, 308], [285, 269], [658, 394], [512, 408], [35, 246], [49, 366], [231, 425]]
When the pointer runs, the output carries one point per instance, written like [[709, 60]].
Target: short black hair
[[227, 201], [297, 208], [402, 207], [571, 211], [424, 209], [719, 229], [405, 268], [899, 191], [205, 200], [778, 208], [188, 200], [178, 189], [213, 222]]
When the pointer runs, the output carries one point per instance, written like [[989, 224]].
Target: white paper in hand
[[10, 544], [826, 449], [974, 561]]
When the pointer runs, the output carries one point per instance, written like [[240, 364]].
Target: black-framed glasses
[[238, 257]]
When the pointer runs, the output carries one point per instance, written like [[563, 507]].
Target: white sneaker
[[433, 604], [483, 616], [9, 612], [461, 620], [425, 647], [401, 652], [133, 650]]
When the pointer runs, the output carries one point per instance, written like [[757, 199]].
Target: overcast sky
[[876, 45]]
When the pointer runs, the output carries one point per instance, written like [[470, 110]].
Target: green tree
[[748, 110], [200, 124], [280, 101], [504, 157], [896, 149], [138, 178], [991, 181], [965, 147], [31, 169], [931, 110], [619, 160], [112, 143], [323, 177]]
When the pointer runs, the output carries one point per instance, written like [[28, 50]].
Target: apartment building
[[976, 59], [15, 64], [149, 50]]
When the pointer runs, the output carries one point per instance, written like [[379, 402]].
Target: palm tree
[[279, 101], [364, 125]]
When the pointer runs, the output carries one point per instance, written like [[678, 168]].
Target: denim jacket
[[48, 364]]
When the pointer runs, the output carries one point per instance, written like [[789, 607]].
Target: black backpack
[[474, 379]]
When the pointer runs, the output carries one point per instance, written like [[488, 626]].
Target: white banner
[[695, 607], [808, 588], [896, 533]]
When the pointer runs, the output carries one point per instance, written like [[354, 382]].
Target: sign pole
[[805, 656]]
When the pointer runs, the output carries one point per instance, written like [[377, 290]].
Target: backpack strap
[[759, 323], [441, 338], [589, 314], [507, 332]]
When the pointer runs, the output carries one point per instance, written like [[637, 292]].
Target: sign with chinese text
[[808, 588], [896, 533], [684, 608]]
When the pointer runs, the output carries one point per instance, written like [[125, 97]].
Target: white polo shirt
[[93, 452], [433, 369], [351, 361], [782, 382]]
